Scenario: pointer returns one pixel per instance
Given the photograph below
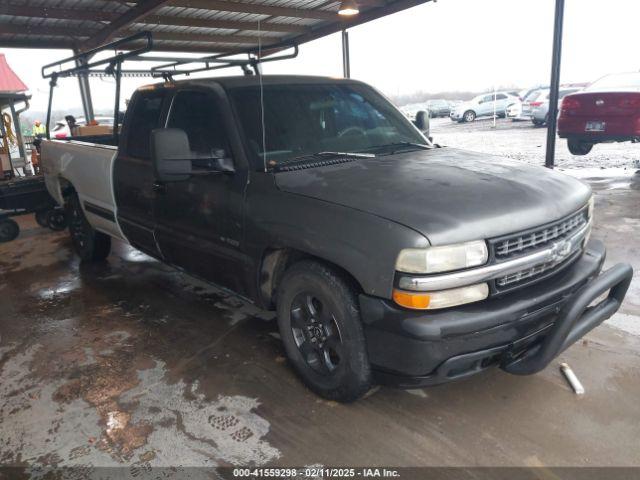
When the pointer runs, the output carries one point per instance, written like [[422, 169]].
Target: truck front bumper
[[521, 332]]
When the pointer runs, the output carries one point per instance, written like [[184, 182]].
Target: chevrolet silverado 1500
[[387, 258]]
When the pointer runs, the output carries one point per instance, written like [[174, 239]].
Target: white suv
[[482, 106]]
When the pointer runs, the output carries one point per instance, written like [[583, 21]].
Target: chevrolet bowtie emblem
[[560, 250]]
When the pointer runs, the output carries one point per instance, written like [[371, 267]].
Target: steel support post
[[554, 84], [346, 60]]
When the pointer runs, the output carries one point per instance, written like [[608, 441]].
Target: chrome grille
[[519, 243], [529, 273]]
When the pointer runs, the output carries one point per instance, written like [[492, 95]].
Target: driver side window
[[198, 115]]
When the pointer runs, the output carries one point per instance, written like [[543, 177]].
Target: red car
[[608, 110]]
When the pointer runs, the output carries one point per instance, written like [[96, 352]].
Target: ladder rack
[[137, 45]]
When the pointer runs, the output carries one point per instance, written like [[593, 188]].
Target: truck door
[[199, 220], [133, 175]]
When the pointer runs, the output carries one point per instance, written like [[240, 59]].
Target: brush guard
[[576, 319]]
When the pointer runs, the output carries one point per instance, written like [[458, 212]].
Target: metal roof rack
[[81, 64], [141, 43], [225, 60]]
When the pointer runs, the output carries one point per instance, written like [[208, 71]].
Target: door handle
[[159, 187]]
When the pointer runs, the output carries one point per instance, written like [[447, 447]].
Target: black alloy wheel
[[320, 326], [316, 333]]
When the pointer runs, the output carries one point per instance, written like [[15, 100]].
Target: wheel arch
[[66, 188], [277, 260]]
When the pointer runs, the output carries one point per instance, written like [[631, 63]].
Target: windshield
[[618, 81], [303, 120]]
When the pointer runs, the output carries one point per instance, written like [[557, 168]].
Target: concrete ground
[[129, 363]]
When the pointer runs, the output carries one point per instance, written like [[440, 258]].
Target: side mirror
[[170, 154], [218, 163], [422, 122]]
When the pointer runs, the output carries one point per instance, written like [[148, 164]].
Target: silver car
[[482, 106], [539, 108], [521, 109]]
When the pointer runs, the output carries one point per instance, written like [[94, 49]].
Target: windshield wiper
[[397, 146], [325, 158], [333, 155]]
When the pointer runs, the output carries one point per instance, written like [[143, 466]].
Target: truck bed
[[86, 166]]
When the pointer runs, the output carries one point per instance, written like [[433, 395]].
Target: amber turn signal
[[415, 301]]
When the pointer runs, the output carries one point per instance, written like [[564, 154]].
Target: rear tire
[[319, 321], [577, 147], [89, 244], [9, 230]]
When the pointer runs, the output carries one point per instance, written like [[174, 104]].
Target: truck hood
[[446, 194]]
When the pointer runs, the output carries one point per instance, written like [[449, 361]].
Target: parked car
[[387, 258], [521, 109], [61, 127], [608, 110], [411, 110], [540, 107], [438, 108], [482, 106]]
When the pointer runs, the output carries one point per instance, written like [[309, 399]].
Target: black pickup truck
[[388, 259]]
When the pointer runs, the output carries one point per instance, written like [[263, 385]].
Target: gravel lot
[[525, 142]]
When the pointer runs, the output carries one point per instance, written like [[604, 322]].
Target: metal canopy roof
[[211, 26]]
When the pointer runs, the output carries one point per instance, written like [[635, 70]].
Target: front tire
[[577, 147], [469, 116], [319, 321], [89, 244]]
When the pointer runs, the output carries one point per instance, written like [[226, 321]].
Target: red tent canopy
[[9, 81]]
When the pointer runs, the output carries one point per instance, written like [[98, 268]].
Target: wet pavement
[[129, 363]]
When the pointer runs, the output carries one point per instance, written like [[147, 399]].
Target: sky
[[448, 45]]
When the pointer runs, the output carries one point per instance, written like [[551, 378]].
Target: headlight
[[442, 259], [442, 299], [591, 206]]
